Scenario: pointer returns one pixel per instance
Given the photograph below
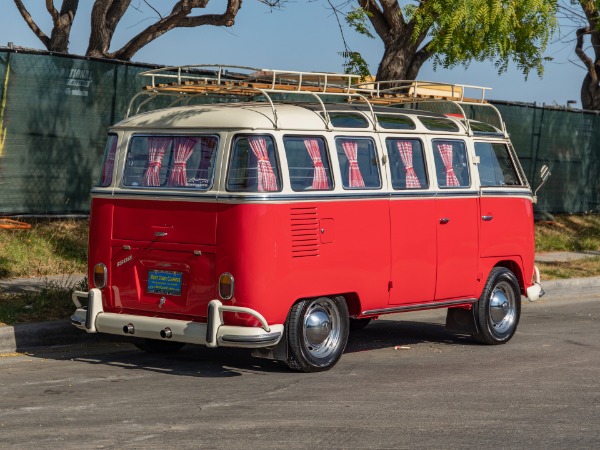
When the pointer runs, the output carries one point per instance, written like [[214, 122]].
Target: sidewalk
[[23, 336], [37, 284]]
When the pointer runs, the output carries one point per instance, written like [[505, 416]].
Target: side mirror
[[544, 175]]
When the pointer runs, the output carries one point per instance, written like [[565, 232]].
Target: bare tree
[[588, 26], [106, 15]]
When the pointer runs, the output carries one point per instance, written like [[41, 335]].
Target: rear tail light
[[226, 286], [99, 275]]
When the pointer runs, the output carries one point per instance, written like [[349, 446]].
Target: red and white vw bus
[[282, 222]]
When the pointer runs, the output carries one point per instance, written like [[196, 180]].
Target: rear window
[[174, 162], [108, 166]]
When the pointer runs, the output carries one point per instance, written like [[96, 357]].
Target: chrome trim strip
[[517, 192], [417, 307], [395, 195]]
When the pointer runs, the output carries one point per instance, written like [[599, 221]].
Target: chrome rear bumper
[[213, 333], [535, 291]]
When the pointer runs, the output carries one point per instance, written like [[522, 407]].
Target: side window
[[407, 163], [253, 165], [308, 163], [171, 162], [108, 166], [451, 163], [358, 163], [495, 166]]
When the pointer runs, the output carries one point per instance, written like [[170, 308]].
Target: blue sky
[[303, 36]]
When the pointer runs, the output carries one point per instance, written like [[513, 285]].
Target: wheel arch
[[516, 269]]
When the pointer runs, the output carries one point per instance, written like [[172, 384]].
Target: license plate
[[164, 282]]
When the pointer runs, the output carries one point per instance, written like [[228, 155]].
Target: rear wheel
[[317, 332], [498, 310], [156, 346]]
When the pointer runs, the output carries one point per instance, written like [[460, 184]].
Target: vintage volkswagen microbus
[[281, 222]]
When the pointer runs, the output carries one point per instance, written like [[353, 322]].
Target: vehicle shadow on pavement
[[381, 334], [202, 362]]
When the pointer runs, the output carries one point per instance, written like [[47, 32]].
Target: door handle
[[160, 233], [444, 220], [487, 218]]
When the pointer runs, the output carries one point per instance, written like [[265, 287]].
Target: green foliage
[[355, 64], [497, 30], [358, 19]]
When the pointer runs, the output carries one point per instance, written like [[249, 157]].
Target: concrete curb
[[27, 336], [30, 335]]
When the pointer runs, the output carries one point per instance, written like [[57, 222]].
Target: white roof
[[227, 115]]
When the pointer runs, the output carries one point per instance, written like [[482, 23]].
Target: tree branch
[[377, 18], [31, 24], [178, 18], [52, 10], [418, 60], [585, 59]]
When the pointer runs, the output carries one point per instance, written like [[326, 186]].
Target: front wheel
[[498, 310], [317, 332]]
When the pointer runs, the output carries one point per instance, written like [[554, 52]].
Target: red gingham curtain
[[266, 176], [355, 178], [405, 149], [109, 164], [320, 176], [446, 154], [182, 150], [156, 150]]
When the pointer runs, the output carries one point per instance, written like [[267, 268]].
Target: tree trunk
[[394, 64], [401, 61], [590, 88], [590, 94]]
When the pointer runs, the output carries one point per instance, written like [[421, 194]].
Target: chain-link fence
[[55, 110]]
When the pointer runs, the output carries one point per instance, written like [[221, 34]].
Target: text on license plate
[[164, 282]]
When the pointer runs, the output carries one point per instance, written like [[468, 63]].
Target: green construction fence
[[55, 110]]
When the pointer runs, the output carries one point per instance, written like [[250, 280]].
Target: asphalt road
[[442, 390]]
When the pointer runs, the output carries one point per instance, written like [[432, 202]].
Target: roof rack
[[233, 83]]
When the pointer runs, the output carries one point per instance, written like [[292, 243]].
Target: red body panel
[[382, 251], [414, 248], [457, 246]]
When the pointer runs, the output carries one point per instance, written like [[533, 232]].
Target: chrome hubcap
[[321, 327], [502, 307]]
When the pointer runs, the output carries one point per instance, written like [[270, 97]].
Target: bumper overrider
[[535, 291], [214, 333]]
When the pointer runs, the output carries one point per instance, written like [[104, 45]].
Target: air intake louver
[[305, 232]]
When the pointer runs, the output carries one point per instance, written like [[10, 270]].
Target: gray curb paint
[[61, 332]]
